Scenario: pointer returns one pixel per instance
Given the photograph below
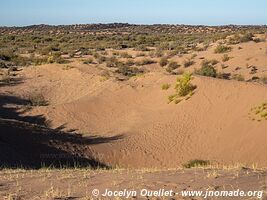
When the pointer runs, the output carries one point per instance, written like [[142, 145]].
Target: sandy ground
[[80, 184], [215, 124], [95, 119]]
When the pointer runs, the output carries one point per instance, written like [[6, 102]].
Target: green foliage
[[163, 61], [88, 61], [37, 99], [207, 69], [258, 112], [222, 49], [129, 71], [184, 86], [165, 86], [188, 62], [145, 61], [238, 77], [225, 58], [264, 79], [172, 66], [196, 163]]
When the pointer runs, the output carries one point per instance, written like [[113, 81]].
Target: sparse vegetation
[[88, 61], [222, 49], [188, 62], [172, 66], [165, 86], [183, 89], [145, 61], [37, 99], [238, 77], [163, 61], [129, 71], [207, 69], [225, 58], [258, 112], [196, 163]]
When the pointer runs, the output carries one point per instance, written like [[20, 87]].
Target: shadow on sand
[[26, 142]]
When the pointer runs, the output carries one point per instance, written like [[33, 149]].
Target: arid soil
[[80, 184], [89, 115], [215, 124]]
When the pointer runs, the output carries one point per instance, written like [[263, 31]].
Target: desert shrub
[[258, 112], [188, 62], [222, 75], [113, 62], [207, 70], [3, 65], [7, 55], [125, 55], [264, 79], [163, 62], [101, 59], [129, 62], [140, 54], [172, 66], [238, 77], [184, 86], [159, 53], [88, 61], [222, 49], [165, 86], [129, 71], [5, 77], [37, 99], [196, 163], [56, 58], [246, 37], [225, 58], [145, 61]]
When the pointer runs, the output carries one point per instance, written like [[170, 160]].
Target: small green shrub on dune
[[125, 55], [37, 99], [222, 49], [163, 61], [172, 66], [264, 79], [145, 61], [207, 70], [184, 86], [225, 58], [165, 86], [129, 71], [188, 62], [88, 61], [196, 163], [238, 77], [184, 89]]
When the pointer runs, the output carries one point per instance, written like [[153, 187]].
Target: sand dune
[[213, 124]]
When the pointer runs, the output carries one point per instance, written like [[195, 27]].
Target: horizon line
[[132, 24]]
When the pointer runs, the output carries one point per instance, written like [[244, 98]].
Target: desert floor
[[96, 116]]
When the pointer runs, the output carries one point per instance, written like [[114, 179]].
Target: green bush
[[163, 62], [222, 49], [238, 77], [184, 86], [207, 71], [129, 71], [37, 99], [88, 61], [225, 58], [145, 61], [188, 62], [172, 66], [196, 163], [165, 86]]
